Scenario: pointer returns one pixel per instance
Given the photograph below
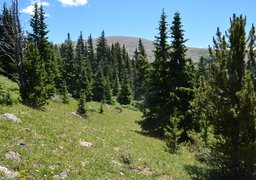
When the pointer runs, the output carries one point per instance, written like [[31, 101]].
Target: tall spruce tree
[[141, 65], [39, 37], [156, 113], [35, 75], [108, 93], [99, 86], [91, 54], [181, 79], [125, 95], [69, 64], [230, 103]]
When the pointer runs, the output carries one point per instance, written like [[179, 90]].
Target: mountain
[[131, 43]]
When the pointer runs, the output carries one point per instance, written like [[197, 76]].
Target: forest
[[208, 106]]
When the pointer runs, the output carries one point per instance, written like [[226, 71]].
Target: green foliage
[[81, 110], [229, 103], [170, 83], [35, 94], [125, 96], [38, 36], [68, 64], [5, 96], [65, 94], [141, 65], [172, 135], [116, 86], [108, 94], [200, 112], [101, 111], [99, 86], [156, 113]]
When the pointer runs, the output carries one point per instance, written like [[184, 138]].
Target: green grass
[[119, 151]]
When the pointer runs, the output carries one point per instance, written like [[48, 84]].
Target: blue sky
[[137, 18]]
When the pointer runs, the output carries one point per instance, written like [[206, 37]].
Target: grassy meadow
[[51, 144]]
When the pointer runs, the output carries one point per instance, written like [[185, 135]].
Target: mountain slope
[[131, 43]]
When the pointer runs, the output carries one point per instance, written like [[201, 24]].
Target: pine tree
[[69, 64], [99, 86], [141, 49], [141, 65], [39, 37], [125, 96], [81, 110], [91, 54], [8, 68], [108, 93], [230, 103], [35, 76], [181, 79], [157, 110], [82, 70], [251, 54], [116, 86], [65, 94]]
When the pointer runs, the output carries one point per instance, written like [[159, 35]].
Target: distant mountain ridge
[[132, 42]]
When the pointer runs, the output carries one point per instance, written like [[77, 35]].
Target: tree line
[[212, 101], [95, 72]]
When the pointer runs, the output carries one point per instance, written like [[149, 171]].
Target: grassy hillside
[[48, 142]]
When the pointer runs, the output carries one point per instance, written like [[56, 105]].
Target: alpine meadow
[[118, 107]]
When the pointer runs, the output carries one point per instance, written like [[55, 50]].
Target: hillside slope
[[48, 145]]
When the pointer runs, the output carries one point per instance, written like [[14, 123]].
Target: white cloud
[[73, 2], [30, 9]]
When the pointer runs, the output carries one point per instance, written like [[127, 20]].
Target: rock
[[62, 175], [75, 114], [15, 156], [10, 117], [23, 145], [8, 173], [116, 162], [86, 144]]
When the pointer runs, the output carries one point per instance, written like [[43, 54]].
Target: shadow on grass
[[147, 134], [196, 173]]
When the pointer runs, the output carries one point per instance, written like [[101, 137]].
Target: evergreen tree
[[12, 46], [157, 110], [69, 64], [230, 103], [65, 96], [39, 37], [141, 49], [108, 93], [91, 54], [181, 79], [81, 110], [125, 96], [35, 76], [82, 82], [116, 86], [251, 54], [8, 68], [99, 86], [141, 65]]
